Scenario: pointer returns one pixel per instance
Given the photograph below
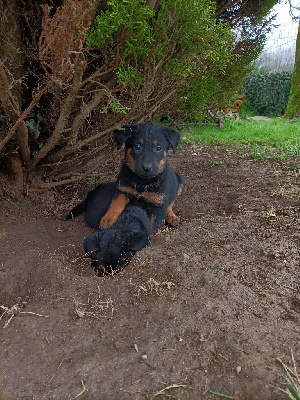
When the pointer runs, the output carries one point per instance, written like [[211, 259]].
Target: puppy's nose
[[147, 167]]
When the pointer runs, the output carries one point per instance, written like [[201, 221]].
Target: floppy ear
[[122, 134], [138, 240], [172, 136], [91, 243]]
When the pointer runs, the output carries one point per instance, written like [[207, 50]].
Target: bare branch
[[75, 178], [151, 3], [61, 56], [152, 109], [35, 100], [63, 117], [89, 140], [11, 108], [76, 125]]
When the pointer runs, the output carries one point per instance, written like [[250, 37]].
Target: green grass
[[277, 138], [292, 380]]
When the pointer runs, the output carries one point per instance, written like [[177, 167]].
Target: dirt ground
[[206, 307]]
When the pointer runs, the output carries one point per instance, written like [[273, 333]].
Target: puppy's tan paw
[[108, 220], [172, 219]]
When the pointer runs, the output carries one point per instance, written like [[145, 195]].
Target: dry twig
[[16, 310]]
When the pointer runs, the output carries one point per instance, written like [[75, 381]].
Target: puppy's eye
[[137, 147], [158, 148]]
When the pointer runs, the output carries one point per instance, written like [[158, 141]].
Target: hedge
[[267, 93]]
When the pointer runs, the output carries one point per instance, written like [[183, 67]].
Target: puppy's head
[[111, 250], [146, 147]]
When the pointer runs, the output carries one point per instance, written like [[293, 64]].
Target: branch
[[64, 115], [35, 100], [87, 141], [221, 7], [61, 50], [97, 74], [152, 109], [11, 108], [151, 3], [68, 148], [85, 111], [76, 178]]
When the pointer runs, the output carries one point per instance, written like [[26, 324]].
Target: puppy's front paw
[[172, 219], [116, 208], [108, 220]]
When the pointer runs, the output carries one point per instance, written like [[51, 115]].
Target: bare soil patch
[[209, 305]]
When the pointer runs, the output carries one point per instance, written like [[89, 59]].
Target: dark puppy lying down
[[95, 205], [112, 249]]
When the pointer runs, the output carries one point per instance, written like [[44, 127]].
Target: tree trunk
[[293, 107], [10, 86]]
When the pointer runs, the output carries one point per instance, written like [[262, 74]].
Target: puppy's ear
[[172, 136], [138, 240], [91, 243], [122, 134]]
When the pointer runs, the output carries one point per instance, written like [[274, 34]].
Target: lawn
[[277, 137]]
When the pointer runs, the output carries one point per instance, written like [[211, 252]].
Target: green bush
[[267, 93], [162, 54]]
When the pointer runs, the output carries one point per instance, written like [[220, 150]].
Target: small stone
[[238, 369], [144, 356]]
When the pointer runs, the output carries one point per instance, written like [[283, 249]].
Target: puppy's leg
[[115, 209], [171, 218]]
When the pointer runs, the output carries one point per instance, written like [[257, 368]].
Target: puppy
[[95, 205], [112, 249], [145, 178]]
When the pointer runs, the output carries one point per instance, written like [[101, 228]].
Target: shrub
[[267, 93], [90, 67]]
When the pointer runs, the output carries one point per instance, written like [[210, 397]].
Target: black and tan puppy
[[112, 249], [146, 179], [95, 205]]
